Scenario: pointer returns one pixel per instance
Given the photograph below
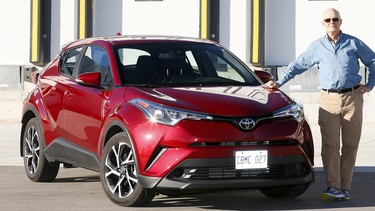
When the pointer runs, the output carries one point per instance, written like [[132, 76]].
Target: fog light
[[178, 172]]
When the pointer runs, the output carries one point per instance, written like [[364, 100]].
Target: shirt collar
[[338, 38]]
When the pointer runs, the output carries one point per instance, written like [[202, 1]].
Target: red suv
[[160, 115]]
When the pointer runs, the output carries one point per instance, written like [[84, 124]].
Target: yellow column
[[203, 19], [35, 31], [82, 19], [255, 31]]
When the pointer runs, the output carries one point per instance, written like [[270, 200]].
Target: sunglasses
[[328, 20]]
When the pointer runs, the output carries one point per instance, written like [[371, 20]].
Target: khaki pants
[[340, 115]]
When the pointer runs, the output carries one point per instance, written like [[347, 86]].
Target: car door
[[85, 107], [53, 86]]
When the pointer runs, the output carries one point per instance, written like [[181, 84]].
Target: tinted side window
[[96, 60], [69, 60]]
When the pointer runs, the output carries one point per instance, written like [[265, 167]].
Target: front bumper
[[193, 174]]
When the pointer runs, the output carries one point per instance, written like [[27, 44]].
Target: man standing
[[341, 99]]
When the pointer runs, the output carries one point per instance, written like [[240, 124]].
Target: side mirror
[[91, 79], [35, 77], [263, 75]]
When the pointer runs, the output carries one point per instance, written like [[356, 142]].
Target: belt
[[340, 91]]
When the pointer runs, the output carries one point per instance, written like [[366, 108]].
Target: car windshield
[[181, 64]]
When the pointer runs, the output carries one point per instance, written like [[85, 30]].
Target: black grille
[[288, 170]]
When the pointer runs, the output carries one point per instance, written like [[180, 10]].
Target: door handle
[[68, 94]]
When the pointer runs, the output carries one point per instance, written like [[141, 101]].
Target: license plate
[[254, 159]]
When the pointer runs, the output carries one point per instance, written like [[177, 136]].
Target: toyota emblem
[[246, 124]]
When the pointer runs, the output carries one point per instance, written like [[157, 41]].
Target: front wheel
[[37, 167], [119, 176], [285, 192]]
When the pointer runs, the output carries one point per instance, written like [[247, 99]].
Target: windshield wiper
[[143, 85]]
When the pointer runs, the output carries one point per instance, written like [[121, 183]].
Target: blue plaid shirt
[[338, 64]]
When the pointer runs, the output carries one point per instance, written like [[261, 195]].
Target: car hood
[[224, 101]]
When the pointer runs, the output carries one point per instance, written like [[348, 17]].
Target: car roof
[[134, 39]]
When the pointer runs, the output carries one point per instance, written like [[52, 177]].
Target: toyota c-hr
[[160, 115]]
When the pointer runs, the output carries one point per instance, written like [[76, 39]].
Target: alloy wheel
[[31, 152], [120, 172]]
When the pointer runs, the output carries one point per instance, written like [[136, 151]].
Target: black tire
[[285, 192], [119, 176], [37, 168]]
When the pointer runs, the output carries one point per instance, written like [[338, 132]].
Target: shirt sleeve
[[303, 62], [367, 57]]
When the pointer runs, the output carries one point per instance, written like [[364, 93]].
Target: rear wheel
[[37, 168], [119, 176], [285, 192]]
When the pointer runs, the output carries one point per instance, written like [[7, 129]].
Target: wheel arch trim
[[29, 112], [110, 131]]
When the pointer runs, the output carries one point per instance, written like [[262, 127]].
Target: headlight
[[295, 110], [166, 115]]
